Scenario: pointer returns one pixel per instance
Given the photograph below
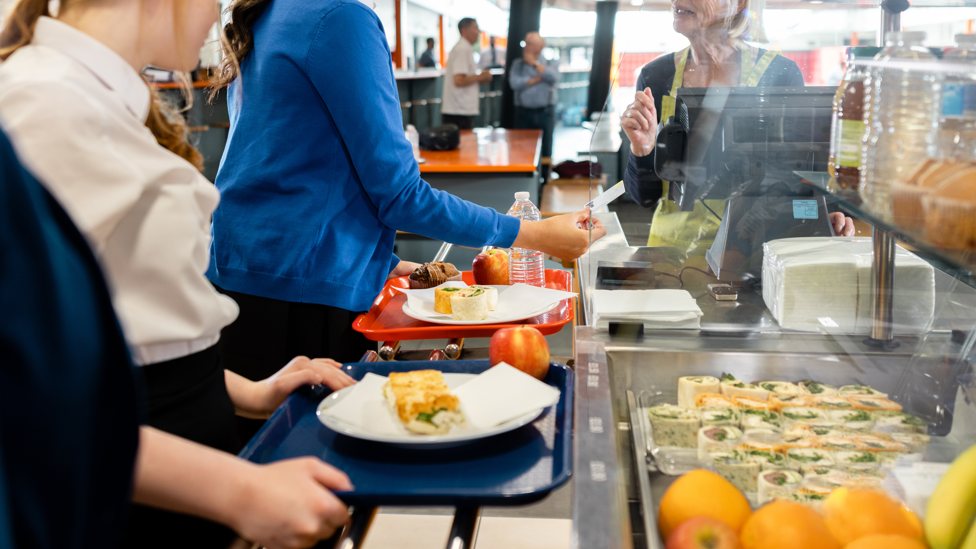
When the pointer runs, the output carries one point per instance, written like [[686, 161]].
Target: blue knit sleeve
[[349, 64]]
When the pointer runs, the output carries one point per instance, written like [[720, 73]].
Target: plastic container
[[414, 138], [905, 107], [526, 266], [957, 126], [847, 124]]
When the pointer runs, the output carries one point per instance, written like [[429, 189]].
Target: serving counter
[[620, 476]]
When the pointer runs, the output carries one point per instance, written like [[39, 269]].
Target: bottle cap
[[523, 195], [863, 52], [905, 36]]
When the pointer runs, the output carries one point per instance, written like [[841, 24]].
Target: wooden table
[[486, 150], [489, 166]]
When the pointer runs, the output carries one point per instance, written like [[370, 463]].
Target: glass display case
[[728, 257]]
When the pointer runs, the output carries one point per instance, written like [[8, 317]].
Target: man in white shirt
[[462, 79], [493, 57]]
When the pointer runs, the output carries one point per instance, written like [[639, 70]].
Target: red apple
[[702, 533], [522, 347], [491, 268]]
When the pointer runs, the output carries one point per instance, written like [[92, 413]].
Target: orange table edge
[[395, 325], [523, 148]]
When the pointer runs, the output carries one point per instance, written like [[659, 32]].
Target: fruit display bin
[[386, 321], [513, 468]]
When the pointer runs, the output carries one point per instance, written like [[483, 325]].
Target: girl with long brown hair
[[85, 123]]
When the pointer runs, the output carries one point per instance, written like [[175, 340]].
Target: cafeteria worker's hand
[[843, 225], [565, 236], [639, 122], [259, 399], [403, 268]]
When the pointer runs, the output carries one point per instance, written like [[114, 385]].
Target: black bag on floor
[[440, 138]]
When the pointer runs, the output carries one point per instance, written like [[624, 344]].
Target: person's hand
[[843, 225], [539, 67], [529, 59], [259, 399], [639, 122], [534, 80], [485, 77], [564, 236], [403, 268], [287, 504]]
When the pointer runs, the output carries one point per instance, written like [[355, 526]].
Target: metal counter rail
[[600, 517]]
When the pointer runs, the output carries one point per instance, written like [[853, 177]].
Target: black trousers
[[268, 333], [543, 118], [462, 121], [187, 397]]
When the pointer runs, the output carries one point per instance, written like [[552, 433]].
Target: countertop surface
[[487, 150]]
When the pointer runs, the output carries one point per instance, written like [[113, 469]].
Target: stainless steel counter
[[613, 488]]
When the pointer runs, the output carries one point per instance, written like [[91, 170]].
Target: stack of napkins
[[500, 394], [656, 309], [825, 285]]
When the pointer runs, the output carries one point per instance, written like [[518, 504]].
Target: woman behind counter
[[717, 56], [317, 176]]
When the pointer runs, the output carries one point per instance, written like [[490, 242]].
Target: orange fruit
[[701, 493], [786, 524], [852, 514], [885, 541]]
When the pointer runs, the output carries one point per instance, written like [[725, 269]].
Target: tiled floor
[[431, 531]]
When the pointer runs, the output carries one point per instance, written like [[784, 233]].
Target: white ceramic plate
[[407, 439], [497, 316]]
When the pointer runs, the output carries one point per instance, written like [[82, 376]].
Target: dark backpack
[[440, 138]]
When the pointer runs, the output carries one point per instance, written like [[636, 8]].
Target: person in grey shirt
[[427, 60], [533, 79]]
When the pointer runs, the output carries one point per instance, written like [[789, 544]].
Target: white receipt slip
[[606, 197]]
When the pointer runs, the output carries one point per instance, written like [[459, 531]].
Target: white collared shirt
[[75, 112]]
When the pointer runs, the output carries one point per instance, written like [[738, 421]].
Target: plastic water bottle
[[526, 266], [957, 126], [906, 107], [414, 138]]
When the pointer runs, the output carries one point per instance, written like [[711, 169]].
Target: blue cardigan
[[317, 175]]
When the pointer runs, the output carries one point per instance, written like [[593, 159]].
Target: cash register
[[747, 145]]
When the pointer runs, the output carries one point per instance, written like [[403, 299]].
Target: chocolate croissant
[[433, 274]]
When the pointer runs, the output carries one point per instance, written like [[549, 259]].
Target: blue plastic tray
[[514, 468]]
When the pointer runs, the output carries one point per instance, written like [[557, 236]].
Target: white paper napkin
[[656, 309], [518, 300], [366, 408], [501, 394]]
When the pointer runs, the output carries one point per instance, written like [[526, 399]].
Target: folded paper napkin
[[517, 300], [656, 309], [500, 394]]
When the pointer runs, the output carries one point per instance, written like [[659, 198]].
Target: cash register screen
[[788, 128]]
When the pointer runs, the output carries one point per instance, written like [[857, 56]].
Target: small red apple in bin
[[702, 533], [491, 268], [521, 347]]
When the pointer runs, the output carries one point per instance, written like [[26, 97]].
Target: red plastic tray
[[386, 321]]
